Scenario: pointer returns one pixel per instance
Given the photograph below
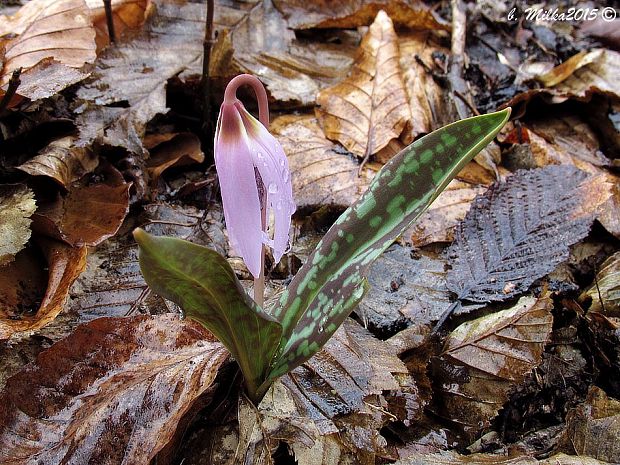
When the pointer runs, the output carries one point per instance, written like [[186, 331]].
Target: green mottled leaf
[[204, 285], [332, 282]]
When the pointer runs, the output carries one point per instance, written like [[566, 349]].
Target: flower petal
[[272, 164], [235, 168]]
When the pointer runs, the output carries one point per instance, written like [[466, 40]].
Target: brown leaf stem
[[109, 20]]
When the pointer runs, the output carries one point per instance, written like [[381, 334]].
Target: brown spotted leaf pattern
[[26, 302], [369, 108], [484, 358], [121, 403], [321, 175]]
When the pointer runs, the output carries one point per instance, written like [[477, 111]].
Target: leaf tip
[[140, 235]]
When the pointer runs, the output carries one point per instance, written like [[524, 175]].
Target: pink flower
[[254, 178]]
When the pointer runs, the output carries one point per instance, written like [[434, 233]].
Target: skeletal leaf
[[17, 204], [332, 281], [62, 161], [369, 108], [605, 291], [204, 285], [519, 230], [114, 391], [484, 358], [321, 175]]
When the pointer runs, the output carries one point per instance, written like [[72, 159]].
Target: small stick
[[207, 45], [444, 317], [110, 20], [14, 83]]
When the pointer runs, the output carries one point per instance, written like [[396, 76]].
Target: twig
[[110, 20], [207, 45], [467, 102], [446, 314], [14, 83]]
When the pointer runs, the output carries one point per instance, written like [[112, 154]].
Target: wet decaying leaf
[[453, 458], [17, 204], [321, 174], [62, 161], [484, 358], [21, 283], [353, 13], [333, 404], [134, 380], [88, 214], [369, 108], [133, 74], [406, 289], [592, 429], [519, 230], [181, 149], [61, 36], [605, 291], [293, 70]]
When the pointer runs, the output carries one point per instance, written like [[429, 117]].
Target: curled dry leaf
[[369, 108], [87, 214], [406, 289], [180, 149], [593, 428], [519, 230], [22, 282], [261, 43], [332, 404], [132, 73], [114, 391], [62, 161], [321, 175], [484, 358], [605, 291], [347, 14], [17, 205], [57, 40]]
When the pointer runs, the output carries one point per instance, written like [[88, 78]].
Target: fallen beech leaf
[[180, 149], [292, 70], [348, 14], [17, 204], [87, 214], [332, 404], [127, 15], [62, 161], [519, 230], [64, 265], [593, 428], [605, 291], [114, 391], [453, 458], [132, 73], [484, 358], [405, 290], [321, 175], [60, 32], [112, 284], [369, 108]]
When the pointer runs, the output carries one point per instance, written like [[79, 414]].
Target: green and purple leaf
[[204, 285], [332, 282]]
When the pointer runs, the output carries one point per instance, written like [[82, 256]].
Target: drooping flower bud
[[254, 178]]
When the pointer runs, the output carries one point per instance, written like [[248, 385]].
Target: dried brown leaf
[[605, 291], [353, 13], [593, 428], [453, 458], [293, 70], [370, 107], [62, 161], [58, 33], [321, 175], [114, 391], [180, 149], [22, 282], [17, 205], [87, 214], [484, 358]]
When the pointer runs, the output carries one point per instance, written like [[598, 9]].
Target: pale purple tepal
[[251, 164]]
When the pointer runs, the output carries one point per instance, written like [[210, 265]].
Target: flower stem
[[207, 45], [263, 115]]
